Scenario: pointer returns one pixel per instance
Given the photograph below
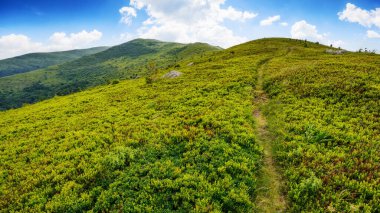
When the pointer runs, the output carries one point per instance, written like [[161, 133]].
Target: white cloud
[[190, 21], [125, 37], [270, 20], [62, 41], [354, 14], [137, 4], [372, 34], [127, 13], [284, 24], [335, 43], [13, 45], [304, 30]]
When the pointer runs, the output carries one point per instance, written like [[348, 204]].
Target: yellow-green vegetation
[[199, 142], [182, 144], [270, 196], [131, 60], [325, 111]]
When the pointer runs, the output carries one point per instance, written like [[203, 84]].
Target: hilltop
[[35, 61], [130, 60], [203, 141]]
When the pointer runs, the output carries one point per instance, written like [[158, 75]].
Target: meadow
[[191, 143], [183, 144], [324, 111]]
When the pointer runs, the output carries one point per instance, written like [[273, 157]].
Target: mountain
[[126, 61], [266, 126], [34, 61]]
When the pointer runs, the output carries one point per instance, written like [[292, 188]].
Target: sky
[[57, 25]]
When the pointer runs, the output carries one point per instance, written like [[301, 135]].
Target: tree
[[152, 67], [152, 71]]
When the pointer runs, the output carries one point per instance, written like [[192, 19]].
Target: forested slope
[[34, 61], [126, 61]]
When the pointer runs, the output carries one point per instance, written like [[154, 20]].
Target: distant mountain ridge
[[126, 61], [34, 61]]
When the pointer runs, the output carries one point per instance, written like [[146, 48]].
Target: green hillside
[[34, 61], [325, 111], [200, 142], [127, 61]]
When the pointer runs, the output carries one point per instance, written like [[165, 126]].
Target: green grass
[[325, 111], [191, 144], [183, 144], [131, 60], [35, 61]]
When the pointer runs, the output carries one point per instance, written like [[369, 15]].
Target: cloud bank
[[354, 14], [373, 34], [366, 18], [304, 30], [17, 44], [188, 21], [127, 14]]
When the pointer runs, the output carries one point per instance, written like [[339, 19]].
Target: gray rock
[[172, 74], [335, 52]]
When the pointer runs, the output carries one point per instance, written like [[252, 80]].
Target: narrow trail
[[270, 197]]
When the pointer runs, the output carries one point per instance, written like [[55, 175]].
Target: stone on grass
[[172, 74]]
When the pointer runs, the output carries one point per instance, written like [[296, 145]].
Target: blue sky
[[54, 25]]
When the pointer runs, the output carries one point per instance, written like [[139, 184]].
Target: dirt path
[[270, 197]]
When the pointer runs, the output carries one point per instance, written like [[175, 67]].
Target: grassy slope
[[325, 112], [34, 61], [177, 144], [126, 61], [189, 144]]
